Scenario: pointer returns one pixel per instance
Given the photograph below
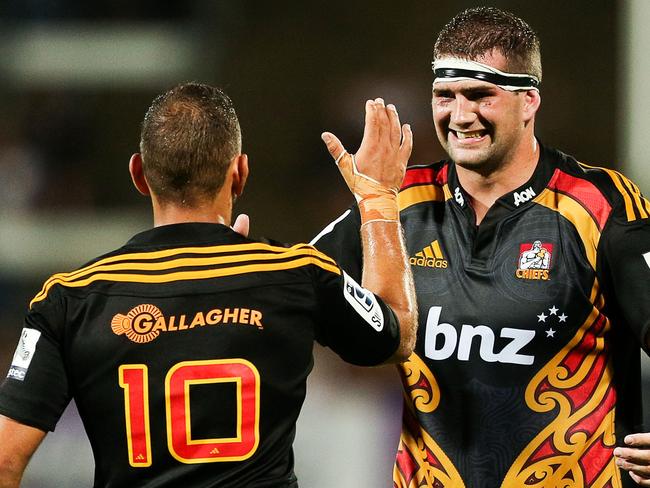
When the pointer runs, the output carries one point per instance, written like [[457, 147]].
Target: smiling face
[[480, 125]]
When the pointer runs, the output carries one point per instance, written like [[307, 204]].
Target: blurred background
[[76, 78]]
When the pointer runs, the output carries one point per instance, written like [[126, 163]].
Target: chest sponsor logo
[[534, 261], [144, 323], [24, 353], [429, 257], [363, 302], [443, 340], [523, 196]]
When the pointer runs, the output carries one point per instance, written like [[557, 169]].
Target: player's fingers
[[394, 125], [383, 121], [636, 456], [639, 480], [334, 145], [638, 440], [242, 225], [407, 143], [371, 129]]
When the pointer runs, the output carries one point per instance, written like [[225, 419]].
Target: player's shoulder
[[424, 184], [306, 254], [56, 283], [426, 174], [599, 186]]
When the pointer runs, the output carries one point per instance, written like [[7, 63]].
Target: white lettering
[[458, 196], [441, 339], [523, 196], [520, 338], [433, 331], [486, 348]]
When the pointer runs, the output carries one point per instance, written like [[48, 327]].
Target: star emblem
[[553, 310], [541, 317], [562, 317], [550, 333]]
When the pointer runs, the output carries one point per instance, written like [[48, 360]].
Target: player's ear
[[137, 174], [239, 171], [532, 101]]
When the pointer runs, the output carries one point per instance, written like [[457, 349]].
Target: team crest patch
[[534, 261]]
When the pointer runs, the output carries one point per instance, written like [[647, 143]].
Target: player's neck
[[218, 211], [485, 188]]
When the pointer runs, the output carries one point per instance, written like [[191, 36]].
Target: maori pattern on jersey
[[420, 462], [574, 450]]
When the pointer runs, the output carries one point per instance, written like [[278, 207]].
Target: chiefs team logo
[[534, 261], [137, 325]]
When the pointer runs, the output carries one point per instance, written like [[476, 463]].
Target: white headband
[[456, 69]]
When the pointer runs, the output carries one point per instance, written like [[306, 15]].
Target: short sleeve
[[341, 240], [35, 391], [625, 273], [353, 322]]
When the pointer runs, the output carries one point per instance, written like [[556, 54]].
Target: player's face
[[479, 124]]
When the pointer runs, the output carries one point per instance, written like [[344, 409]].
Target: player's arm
[[17, 444], [374, 175], [625, 274], [35, 391]]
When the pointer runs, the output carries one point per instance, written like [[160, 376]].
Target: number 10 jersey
[[187, 353]]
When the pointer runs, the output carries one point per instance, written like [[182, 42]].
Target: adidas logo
[[429, 257]]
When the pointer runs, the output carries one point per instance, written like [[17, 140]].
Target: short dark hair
[[480, 30], [189, 136]]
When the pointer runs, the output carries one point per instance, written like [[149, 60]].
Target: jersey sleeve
[[341, 240], [625, 273], [35, 391], [354, 322]]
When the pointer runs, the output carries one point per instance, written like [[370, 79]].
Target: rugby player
[[187, 350], [532, 273]]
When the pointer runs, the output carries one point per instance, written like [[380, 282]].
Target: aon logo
[[442, 340]]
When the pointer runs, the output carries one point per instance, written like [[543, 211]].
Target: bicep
[[17, 444]]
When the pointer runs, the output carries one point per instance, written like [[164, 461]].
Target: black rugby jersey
[[526, 370], [187, 352]]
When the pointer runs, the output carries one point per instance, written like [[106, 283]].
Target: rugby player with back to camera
[[532, 273], [187, 350]]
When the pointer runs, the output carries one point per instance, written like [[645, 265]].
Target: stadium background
[[76, 78]]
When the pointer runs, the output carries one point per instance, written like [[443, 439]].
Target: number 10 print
[[133, 378]]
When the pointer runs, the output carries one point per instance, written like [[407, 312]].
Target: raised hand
[[375, 172]]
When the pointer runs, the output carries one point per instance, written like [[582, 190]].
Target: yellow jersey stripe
[[167, 253], [575, 213], [189, 275], [422, 193], [636, 195]]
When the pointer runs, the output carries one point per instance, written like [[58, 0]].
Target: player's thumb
[[242, 225], [334, 146]]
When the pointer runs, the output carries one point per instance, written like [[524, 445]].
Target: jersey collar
[[519, 197], [191, 234]]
